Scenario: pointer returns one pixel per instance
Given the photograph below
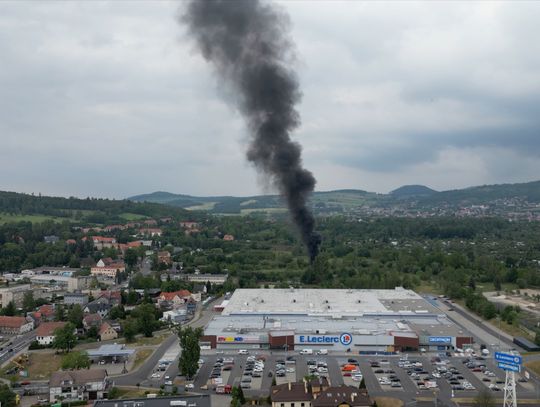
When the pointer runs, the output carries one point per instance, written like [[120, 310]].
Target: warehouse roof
[[323, 302]]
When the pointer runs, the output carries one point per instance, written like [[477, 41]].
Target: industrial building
[[355, 320]]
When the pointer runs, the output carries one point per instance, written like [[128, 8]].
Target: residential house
[[228, 238], [135, 244], [112, 297], [107, 332], [317, 393], [291, 395], [189, 225], [102, 242], [150, 232], [108, 268], [46, 312], [164, 257], [92, 321], [218, 279], [45, 332], [342, 396], [71, 242], [76, 385], [112, 228], [75, 298], [52, 239], [173, 299], [15, 325], [150, 222], [98, 307], [175, 316]]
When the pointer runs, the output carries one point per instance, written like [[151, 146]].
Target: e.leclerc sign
[[508, 358], [509, 366], [345, 339], [440, 339]]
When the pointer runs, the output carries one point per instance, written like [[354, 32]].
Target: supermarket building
[[333, 319]]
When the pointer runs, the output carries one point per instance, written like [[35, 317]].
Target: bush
[[34, 345]]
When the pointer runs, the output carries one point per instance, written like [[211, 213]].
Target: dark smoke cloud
[[247, 42]]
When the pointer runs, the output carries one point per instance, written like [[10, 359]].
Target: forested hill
[[16, 206], [403, 200], [529, 191]]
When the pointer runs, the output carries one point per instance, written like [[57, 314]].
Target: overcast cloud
[[110, 99]]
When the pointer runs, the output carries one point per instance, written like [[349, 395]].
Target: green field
[[131, 216], [207, 206], [7, 218]]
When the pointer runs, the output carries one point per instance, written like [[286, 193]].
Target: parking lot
[[415, 375]]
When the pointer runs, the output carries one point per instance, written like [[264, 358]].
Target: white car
[[156, 375], [243, 352], [190, 386], [168, 383]]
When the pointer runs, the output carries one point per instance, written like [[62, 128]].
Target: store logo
[[345, 339]]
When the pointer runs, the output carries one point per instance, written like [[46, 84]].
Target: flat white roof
[[314, 302]]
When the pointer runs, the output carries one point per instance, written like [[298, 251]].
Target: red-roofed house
[[101, 242], [113, 297], [107, 333], [108, 268], [150, 232], [71, 241], [228, 238], [92, 321], [189, 225], [136, 243], [150, 222], [46, 312], [15, 325], [112, 228], [45, 332], [174, 299]]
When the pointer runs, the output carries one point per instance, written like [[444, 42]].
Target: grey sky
[[110, 99]]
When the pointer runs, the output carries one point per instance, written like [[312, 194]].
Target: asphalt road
[[142, 375], [17, 344]]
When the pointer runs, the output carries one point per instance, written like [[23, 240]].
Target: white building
[[78, 385]]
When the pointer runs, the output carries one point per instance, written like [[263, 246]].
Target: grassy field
[[6, 218], [40, 366], [131, 216], [155, 340], [128, 393], [534, 366], [207, 206], [141, 356]]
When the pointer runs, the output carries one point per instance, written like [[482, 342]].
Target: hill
[[481, 195], [402, 201], [16, 207], [407, 191]]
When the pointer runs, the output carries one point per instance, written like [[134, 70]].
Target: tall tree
[[7, 397], [29, 304], [191, 350], [76, 360], [75, 316], [64, 338], [9, 310], [59, 313], [130, 329]]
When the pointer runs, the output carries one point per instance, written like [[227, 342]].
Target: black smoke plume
[[247, 43]]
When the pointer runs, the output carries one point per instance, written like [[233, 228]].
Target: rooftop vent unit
[[294, 300]]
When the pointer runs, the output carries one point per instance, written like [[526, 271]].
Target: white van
[[306, 352], [322, 352]]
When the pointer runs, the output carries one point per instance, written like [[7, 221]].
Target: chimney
[[352, 397], [289, 386], [305, 386]]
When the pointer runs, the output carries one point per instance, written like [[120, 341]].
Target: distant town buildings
[[108, 268]]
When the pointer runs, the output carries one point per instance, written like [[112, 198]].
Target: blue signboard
[[508, 358], [509, 366], [440, 339]]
